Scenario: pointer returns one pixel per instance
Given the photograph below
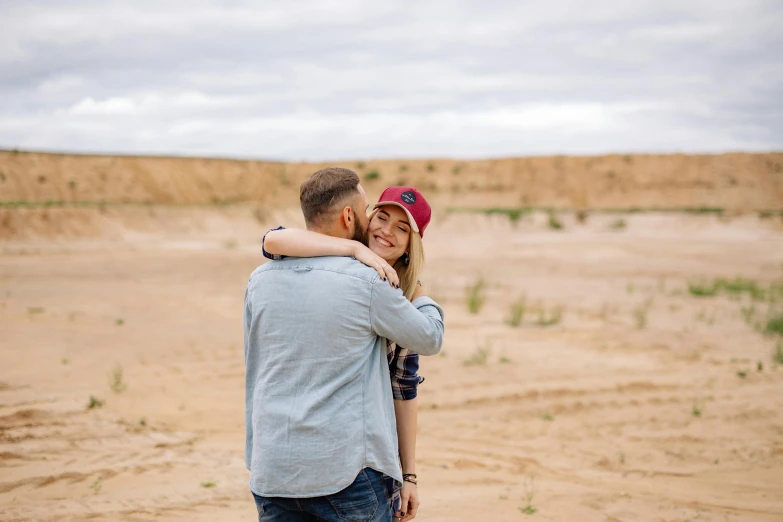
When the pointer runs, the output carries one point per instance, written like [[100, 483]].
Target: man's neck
[[333, 231]]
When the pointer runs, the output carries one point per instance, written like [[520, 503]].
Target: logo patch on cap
[[408, 197]]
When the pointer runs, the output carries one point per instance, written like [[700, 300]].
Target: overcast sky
[[311, 80]]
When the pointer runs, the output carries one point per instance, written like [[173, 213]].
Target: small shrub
[[777, 355], [72, 185], [475, 294], [742, 374], [456, 169], [517, 314], [774, 325], [620, 224], [504, 360], [549, 319], [530, 492], [208, 484], [546, 417], [372, 175], [143, 422], [403, 168], [478, 357], [640, 316], [430, 167], [360, 165], [116, 382], [702, 289], [119, 322], [94, 403], [696, 409], [554, 223], [32, 310]]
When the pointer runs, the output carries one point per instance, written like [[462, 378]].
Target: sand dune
[[619, 396], [737, 182]]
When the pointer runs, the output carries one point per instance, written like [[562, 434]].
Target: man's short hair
[[322, 192]]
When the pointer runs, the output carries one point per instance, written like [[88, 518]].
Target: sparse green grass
[[546, 417], [748, 312], [640, 314], [119, 322], [619, 224], [735, 287], [360, 165], [549, 318], [372, 175], [742, 374], [696, 409], [759, 366], [553, 222], [96, 486], [95, 403], [143, 422], [504, 360], [702, 289], [475, 296], [403, 168], [456, 169], [514, 214], [33, 310], [479, 356], [530, 492], [777, 355], [430, 167], [208, 484], [774, 325], [517, 312], [116, 381]]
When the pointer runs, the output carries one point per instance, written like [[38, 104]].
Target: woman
[[397, 224]]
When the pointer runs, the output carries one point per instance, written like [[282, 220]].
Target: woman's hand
[[418, 292], [370, 258], [410, 502]]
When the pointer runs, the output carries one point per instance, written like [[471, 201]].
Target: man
[[319, 414]]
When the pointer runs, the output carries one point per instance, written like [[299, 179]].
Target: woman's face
[[389, 233]]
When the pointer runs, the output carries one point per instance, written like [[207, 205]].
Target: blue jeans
[[366, 500]]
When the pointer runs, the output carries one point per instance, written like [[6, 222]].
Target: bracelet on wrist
[[410, 477]]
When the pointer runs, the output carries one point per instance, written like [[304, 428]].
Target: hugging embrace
[[333, 328]]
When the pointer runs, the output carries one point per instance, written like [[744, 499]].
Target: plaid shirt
[[403, 365]]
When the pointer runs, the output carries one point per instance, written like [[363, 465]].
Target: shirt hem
[[325, 492]]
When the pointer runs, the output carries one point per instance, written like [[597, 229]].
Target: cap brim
[[412, 221]]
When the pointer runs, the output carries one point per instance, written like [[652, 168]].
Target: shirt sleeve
[[403, 369], [418, 325], [276, 257]]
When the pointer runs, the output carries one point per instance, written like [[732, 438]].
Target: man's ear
[[347, 217]]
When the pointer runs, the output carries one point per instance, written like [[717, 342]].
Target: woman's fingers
[[411, 509], [391, 274], [384, 269]]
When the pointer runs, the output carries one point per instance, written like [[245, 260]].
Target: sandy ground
[[642, 403]]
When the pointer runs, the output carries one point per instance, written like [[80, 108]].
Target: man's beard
[[360, 234]]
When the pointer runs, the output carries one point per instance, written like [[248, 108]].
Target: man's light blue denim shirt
[[318, 403]]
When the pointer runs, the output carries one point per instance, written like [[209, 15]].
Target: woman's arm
[[305, 243], [406, 412]]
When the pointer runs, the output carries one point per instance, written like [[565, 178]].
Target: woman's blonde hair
[[409, 274]]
